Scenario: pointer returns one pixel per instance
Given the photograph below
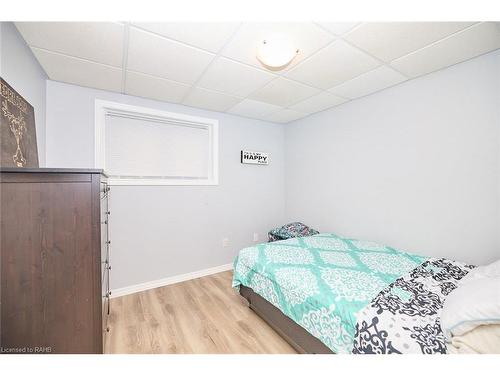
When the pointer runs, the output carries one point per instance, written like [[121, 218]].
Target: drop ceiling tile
[[254, 108], [285, 115], [210, 36], [472, 42], [338, 28], [390, 40], [375, 80], [147, 86], [306, 36], [233, 77], [161, 57], [100, 42], [283, 92], [318, 103], [78, 71], [333, 65], [210, 100]]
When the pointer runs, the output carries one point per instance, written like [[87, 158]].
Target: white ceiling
[[214, 65]]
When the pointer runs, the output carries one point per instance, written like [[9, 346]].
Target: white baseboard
[[169, 280]]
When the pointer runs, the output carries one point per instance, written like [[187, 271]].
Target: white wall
[[162, 231], [415, 166], [20, 69]]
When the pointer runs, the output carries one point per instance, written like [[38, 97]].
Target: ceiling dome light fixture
[[276, 52]]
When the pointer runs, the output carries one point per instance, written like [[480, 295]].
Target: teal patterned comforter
[[323, 281]]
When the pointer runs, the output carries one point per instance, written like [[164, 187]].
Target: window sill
[[160, 182]]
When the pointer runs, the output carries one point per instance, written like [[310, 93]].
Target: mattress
[[354, 296]]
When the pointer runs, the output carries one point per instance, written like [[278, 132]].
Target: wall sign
[[254, 157]]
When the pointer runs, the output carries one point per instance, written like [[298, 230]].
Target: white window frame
[[104, 108]]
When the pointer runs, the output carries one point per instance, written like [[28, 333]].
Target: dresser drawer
[[105, 278], [105, 314], [106, 294]]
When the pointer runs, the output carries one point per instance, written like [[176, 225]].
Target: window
[[142, 146]]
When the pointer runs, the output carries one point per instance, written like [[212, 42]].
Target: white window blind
[[156, 148]]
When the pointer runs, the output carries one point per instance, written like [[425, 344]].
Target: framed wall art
[[17, 130]]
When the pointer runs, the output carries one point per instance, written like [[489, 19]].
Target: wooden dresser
[[54, 260]]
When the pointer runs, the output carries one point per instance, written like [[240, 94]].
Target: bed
[[328, 294]]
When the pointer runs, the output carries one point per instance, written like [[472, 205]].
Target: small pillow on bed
[[490, 270], [291, 230], [473, 303]]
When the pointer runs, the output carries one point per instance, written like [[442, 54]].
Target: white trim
[[104, 107], [169, 280]]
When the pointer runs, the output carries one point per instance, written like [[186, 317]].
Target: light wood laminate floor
[[199, 316]]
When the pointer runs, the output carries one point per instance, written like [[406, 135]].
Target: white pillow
[[470, 305], [490, 270]]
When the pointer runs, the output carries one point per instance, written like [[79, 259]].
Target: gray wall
[[162, 231], [22, 71], [415, 166]]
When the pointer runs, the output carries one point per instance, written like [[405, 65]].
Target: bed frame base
[[301, 340]]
